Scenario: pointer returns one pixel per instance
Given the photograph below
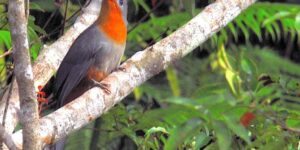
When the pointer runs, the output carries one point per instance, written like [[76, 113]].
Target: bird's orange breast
[[111, 22]]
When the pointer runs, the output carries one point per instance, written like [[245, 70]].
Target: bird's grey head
[[124, 6]]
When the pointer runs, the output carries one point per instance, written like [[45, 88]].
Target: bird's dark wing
[[76, 63]]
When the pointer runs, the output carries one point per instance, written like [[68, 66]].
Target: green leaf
[[293, 123], [190, 6], [275, 143], [244, 29], [138, 93], [35, 45], [201, 140], [277, 30], [223, 58], [182, 133], [146, 7], [173, 81], [171, 116], [231, 79], [35, 6], [237, 128], [253, 24], [155, 130], [130, 133], [33, 27], [3, 72], [265, 91], [279, 15], [297, 22], [34, 50], [224, 136], [271, 32], [183, 101], [246, 65], [5, 38], [233, 31]]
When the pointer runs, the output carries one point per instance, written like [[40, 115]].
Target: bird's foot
[[41, 95], [104, 86], [41, 99], [121, 68]]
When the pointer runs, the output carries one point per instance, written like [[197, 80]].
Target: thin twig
[[6, 53], [285, 127], [6, 108], [145, 16], [65, 17], [79, 3], [280, 122], [4, 25], [27, 8], [7, 139], [7, 101], [6, 104], [50, 18], [57, 29]]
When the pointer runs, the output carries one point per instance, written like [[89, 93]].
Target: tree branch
[[7, 139], [49, 60], [24, 76], [140, 67]]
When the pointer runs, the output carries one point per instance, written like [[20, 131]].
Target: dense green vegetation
[[239, 90]]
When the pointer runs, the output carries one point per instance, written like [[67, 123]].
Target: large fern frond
[[264, 21]]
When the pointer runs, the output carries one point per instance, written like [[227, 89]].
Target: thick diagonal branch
[[24, 76], [140, 67]]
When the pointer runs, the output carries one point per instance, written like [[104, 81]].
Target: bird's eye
[[121, 2]]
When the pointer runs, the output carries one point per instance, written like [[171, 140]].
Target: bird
[[95, 53]]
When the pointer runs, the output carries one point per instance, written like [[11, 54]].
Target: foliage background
[[239, 90]]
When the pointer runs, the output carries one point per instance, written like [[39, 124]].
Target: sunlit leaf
[[231, 79], [137, 93], [155, 130], [173, 81], [5, 38]]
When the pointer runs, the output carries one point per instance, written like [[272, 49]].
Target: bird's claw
[[121, 68], [104, 86], [41, 99]]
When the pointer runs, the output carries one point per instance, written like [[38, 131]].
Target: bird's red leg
[[41, 98]]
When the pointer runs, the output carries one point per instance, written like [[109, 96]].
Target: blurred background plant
[[239, 90]]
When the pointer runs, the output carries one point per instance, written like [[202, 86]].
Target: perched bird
[[94, 54]]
